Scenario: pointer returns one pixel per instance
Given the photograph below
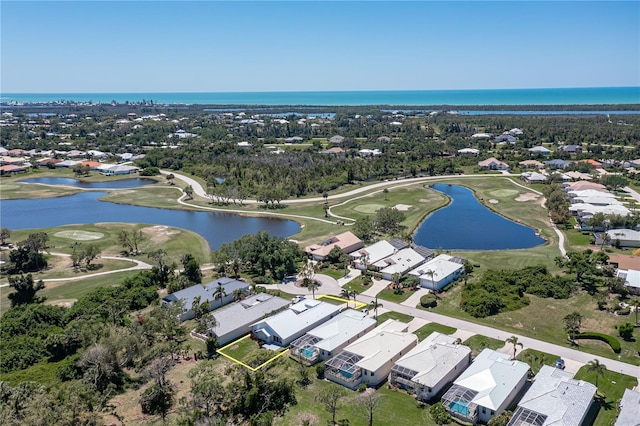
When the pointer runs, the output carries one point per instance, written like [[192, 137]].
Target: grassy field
[[67, 292], [543, 319], [610, 390], [427, 329], [174, 241]]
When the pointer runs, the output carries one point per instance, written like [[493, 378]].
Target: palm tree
[[219, 293], [597, 368], [313, 286], [375, 305], [346, 294], [514, 341], [635, 302], [238, 294]]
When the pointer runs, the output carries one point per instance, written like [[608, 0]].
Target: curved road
[[138, 266]]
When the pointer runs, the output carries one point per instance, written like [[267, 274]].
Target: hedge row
[[612, 341]]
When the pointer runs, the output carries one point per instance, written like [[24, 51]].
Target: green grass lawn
[[393, 297], [356, 284], [610, 390], [395, 408], [394, 315], [543, 319], [67, 292], [427, 329], [333, 273], [478, 342], [536, 359]]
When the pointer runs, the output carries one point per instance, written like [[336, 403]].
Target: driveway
[[328, 285]]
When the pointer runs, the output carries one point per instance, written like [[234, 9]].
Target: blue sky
[[211, 46]]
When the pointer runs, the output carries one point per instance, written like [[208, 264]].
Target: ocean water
[[567, 96]]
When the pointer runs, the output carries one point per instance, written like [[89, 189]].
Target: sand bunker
[[78, 235], [402, 207], [493, 201], [529, 196], [159, 233]]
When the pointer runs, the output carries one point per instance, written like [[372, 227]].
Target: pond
[[83, 208], [119, 184], [466, 224]]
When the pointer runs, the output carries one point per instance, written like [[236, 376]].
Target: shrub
[[626, 331], [320, 371], [610, 340], [439, 414], [429, 301], [625, 311]]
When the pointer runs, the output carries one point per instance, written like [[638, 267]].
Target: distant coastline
[[498, 97]]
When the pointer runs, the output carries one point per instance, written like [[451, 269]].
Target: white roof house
[[372, 254], [438, 272], [540, 150], [597, 200], [283, 328], [329, 338], [481, 135], [589, 193], [486, 388], [534, 177], [235, 320], [629, 409], [555, 398], [626, 237], [428, 367], [631, 279], [370, 358], [400, 263], [471, 151], [116, 169]]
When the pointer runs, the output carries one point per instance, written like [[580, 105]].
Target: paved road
[[527, 342], [198, 189], [634, 194]]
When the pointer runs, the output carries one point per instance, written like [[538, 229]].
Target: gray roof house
[[556, 164], [506, 138], [370, 358], [336, 139], [555, 398], [206, 292], [328, 339], [284, 327], [234, 321], [429, 367], [629, 409], [486, 388]]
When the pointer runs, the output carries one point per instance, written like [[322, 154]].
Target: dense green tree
[[25, 289], [5, 234], [191, 269], [573, 323], [388, 220]]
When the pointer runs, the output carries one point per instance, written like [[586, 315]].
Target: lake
[[466, 224], [119, 184], [83, 208]]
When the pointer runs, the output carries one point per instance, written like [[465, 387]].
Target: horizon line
[[2, 93]]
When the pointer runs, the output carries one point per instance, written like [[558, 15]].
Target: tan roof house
[[347, 242], [493, 164], [531, 164]]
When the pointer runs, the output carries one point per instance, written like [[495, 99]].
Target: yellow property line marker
[[358, 305]]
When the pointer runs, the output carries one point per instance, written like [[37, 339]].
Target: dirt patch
[[423, 200], [529, 196], [493, 201], [65, 303], [127, 405], [402, 207], [518, 325], [159, 233]]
